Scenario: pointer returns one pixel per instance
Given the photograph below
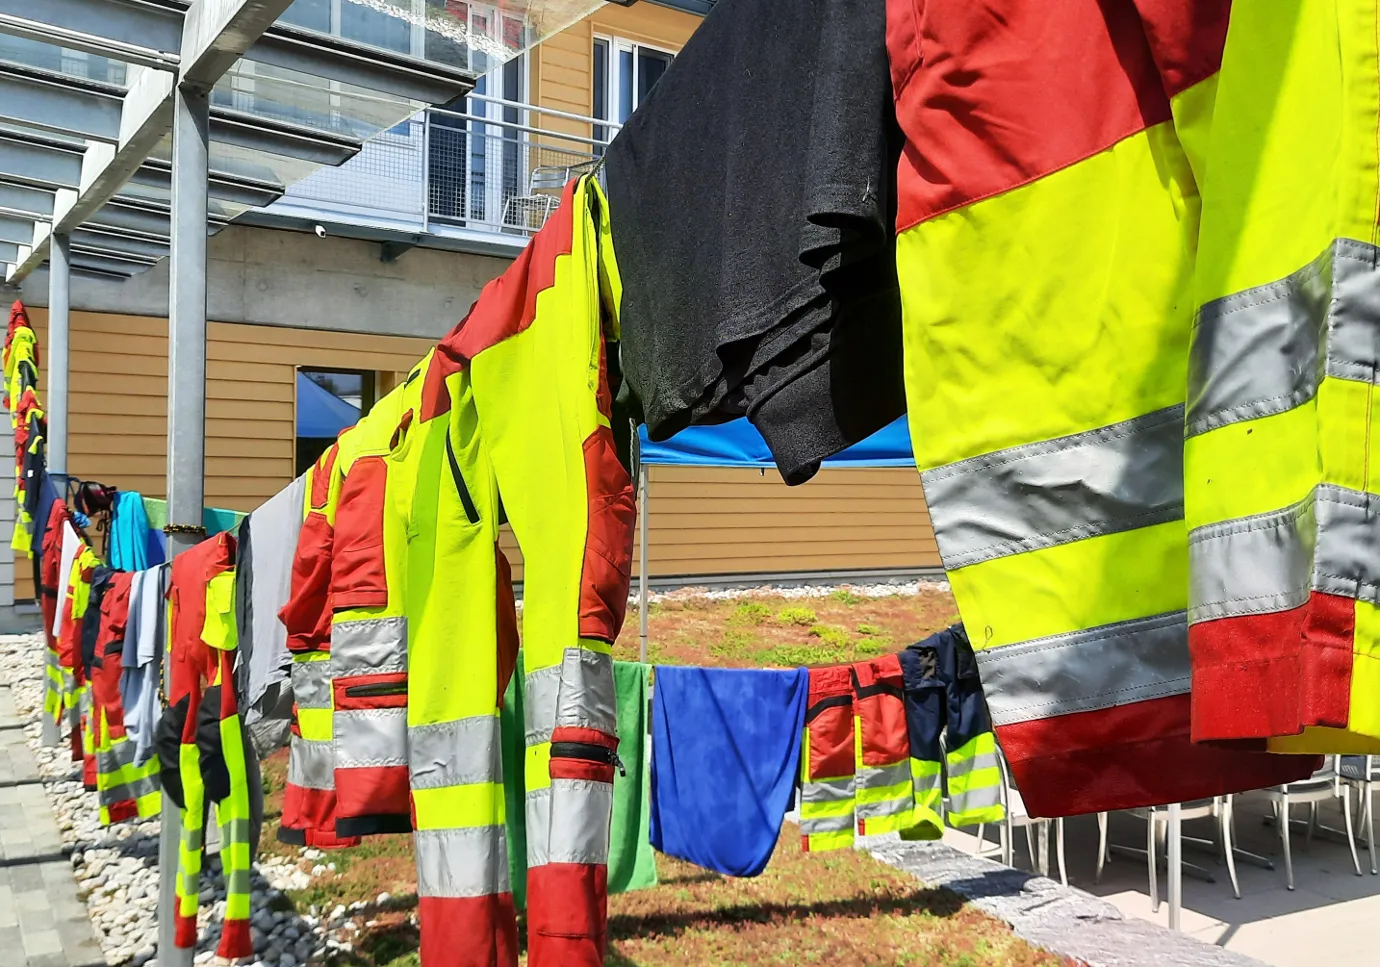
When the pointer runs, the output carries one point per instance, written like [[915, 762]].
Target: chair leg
[[980, 831], [1224, 825], [1312, 825], [1059, 850], [1153, 862], [1370, 825], [1101, 846], [1007, 848], [1030, 847], [1284, 840], [1350, 834]]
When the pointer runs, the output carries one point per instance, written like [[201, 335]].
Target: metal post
[[59, 328], [644, 483], [1176, 870], [186, 411]]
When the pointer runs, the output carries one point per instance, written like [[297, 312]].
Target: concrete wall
[[267, 277]]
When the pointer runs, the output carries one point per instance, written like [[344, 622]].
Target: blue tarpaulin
[[320, 413], [738, 444]]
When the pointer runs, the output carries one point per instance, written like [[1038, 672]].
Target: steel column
[[1176, 866], [643, 485], [59, 323], [186, 410]]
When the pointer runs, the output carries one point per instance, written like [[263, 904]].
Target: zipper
[[590, 752], [471, 512], [376, 689]]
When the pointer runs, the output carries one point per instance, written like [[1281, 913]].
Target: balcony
[[483, 179]]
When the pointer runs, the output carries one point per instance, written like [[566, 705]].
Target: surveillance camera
[[320, 231]]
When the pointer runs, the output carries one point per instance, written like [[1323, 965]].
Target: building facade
[[358, 269]]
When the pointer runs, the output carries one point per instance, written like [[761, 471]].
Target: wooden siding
[[704, 521], [562, 66]]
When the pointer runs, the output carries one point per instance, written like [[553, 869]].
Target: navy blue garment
[[725, 752], [942, 691], [47, 495]]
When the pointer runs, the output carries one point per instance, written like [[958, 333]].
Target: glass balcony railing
[[495, 168]]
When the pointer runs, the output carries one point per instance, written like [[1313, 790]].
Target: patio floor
[[1329, 918]]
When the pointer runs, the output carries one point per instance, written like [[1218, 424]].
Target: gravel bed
[[116, 868], [885, 589]]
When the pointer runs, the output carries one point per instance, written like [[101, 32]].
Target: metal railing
[[496, 167]]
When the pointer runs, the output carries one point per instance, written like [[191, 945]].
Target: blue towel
[[129, 533], [725, 749]]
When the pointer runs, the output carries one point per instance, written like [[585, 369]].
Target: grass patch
[[846, 596], [796, 616], [734, 645], [750, 613], [869, 630]]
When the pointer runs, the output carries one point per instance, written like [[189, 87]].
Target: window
[[328, 401], [624, 74], [312, 14]]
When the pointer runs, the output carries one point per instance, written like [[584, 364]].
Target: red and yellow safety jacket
[[309, 800], [53, 682], [201, 643], [1048, 212], [517, 402]]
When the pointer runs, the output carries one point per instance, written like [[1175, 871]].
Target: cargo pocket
[[359, 578], [607, 567]]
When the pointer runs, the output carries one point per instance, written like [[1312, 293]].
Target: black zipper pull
[[622, 771]]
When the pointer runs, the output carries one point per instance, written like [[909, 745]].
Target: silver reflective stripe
[[577, 693], [469, 861], [929, 783], [237, 881], [113, 795], [581, 810], [1263, 351], [1105, 481], [1103, 667], [538, 810], [311, 683], [311, 764], [961, 767], [826, 824], [1255, 353], [1328, 542], [587, 699], [371, 737], [145, 785], [541, 691], [236, 831], [368, 646], [1353, 341], [981, 798], [193, 837], [887, 807], [457, 753], [1252, 565], [827, 790], [874, 777]]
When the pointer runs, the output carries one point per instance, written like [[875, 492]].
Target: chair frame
[[1039, 858], [1157, 822], [1323, 785], [1365, 788]]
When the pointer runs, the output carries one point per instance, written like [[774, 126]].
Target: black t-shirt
[[752, 200]]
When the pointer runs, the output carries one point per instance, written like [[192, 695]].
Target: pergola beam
[[36, 165], [18, 231], [60, 103], [94, 239], [134, 31], [281, 138], [22, 198]]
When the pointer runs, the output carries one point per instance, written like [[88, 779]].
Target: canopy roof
[[321, 415], [738, 444], [86, 103]]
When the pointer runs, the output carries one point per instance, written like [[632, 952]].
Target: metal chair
[[1359, 772], [1018, 817], [1321, 786], [1157, 824], [544, 186]]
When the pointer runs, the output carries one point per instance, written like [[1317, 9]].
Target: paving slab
[[43, 923]]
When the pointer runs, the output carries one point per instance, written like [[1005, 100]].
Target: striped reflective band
[[580, 814], [1115, 664], [368, 646], [961, 766], [836, 823], [537, 809], [311, 684], [879, 777], [371, 737], [1261, 352], [1328, 542], [827, 790], [311, 764], [1116, 478], [455, 753], [577, 693], [982, 797], [467, 862]]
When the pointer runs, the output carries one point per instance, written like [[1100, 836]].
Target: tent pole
[[644, 483]]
